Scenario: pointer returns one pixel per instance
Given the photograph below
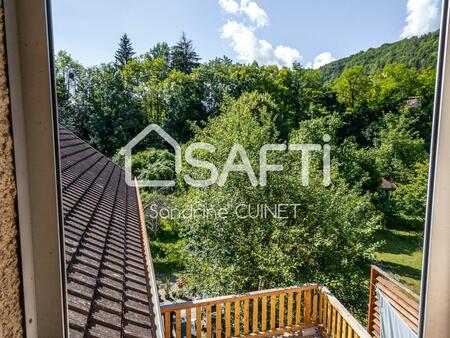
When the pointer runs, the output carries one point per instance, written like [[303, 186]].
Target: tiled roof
[[108, 290]]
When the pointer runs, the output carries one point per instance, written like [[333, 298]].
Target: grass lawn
[[166, 249], [401, 255]]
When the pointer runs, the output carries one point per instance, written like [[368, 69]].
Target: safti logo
[[127, 152], [237, 151]]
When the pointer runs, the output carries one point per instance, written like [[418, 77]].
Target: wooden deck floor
[[312, 332]]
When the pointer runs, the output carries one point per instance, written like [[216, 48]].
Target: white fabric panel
[[392, 325]]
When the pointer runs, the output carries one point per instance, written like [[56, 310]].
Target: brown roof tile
[[100, 331], [134, 331], [107, 283], [109, 305]]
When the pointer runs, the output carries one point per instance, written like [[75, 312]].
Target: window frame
[[435, 289], [29, 46], [29, 50]]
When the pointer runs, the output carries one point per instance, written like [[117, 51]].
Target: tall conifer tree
[[184, 56], [124, 53]]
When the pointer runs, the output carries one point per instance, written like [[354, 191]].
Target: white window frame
[[435, 289], [34, 124], [32, 93]]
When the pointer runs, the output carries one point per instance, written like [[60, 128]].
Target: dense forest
[[376, 110], [418, 52]]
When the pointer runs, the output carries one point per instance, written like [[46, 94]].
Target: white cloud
[[255, 13], [287, 55], [244, 41], [423, 17], [250, 8], [321, 60], [229, 6], [249, 48]]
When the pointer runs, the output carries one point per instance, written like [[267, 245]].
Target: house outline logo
[[127, 152]]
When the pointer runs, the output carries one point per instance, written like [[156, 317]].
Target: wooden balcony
[[403, 300], [305, 311]]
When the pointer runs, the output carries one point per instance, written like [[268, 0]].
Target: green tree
[[183, 55], [298, 93], [124, 53], [146, 78], [393, 85], [172, 99], [353, 87], [354, 90], [182, 105], [328, 241], [150, 164], [216, 83], [69, 78], [410, 198], [398, 149], [313, 130], [113, 116], [160, 50], [356, 165], [421, 114]]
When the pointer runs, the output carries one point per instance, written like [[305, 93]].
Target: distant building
[[413, 102], [387, 185]]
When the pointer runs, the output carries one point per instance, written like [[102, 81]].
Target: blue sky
[[269, 31]]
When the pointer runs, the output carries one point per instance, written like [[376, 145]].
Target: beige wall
[[10, 291]]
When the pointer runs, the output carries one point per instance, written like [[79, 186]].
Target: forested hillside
[[418, 52], [377, 112]]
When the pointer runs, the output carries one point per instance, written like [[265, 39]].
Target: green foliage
[[393, 85], [356, 166], [150, 164], [215, 79], [409, 199], [96, 104], [69, 77], [395, 89], [353, 87], [396, 153], [161, 51], [398, 150], [328, 242], [154, 164], [112, 114], [181, 104], [145, 78], [420, 116], [415, 52]]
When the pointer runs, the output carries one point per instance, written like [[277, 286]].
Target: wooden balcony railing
[[403, 300], [335, 319], [308, 310]]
